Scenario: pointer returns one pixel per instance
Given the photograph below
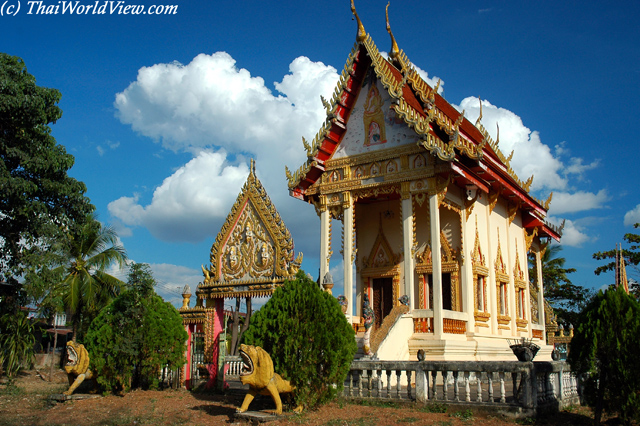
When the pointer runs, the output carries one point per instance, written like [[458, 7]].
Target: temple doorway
[[382, 299]]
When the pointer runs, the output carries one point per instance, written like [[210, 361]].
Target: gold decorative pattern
[[502, 283], [361, 32], [513, 209], [450, 264], [454, 326], [521, 288], [528, 238], [381, 255], [480, 271], [493, 199], [253, 247]]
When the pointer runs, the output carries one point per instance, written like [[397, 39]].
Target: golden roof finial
[[480, 116], [362, 34], [498, 136], [394, 46], [252, 167]]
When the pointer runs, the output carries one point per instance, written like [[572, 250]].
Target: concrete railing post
[[422, 390]]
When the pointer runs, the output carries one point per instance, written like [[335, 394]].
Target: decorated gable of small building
[[252, 256], [430, 208]]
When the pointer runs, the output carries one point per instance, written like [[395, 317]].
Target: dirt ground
[[27, 403]]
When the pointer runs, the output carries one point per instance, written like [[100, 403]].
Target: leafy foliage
[[566, 298], [16, 343], [308, 337], [137, 334], [631, 258], [605, 348], [39, 200]]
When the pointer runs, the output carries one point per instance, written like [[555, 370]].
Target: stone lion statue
[[258, 373], [77, 366]]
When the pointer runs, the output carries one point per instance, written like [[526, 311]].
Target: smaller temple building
[[252, 255]]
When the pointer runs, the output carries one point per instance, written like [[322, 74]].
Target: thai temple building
[[436, 226], [430, 209], [252, 255]]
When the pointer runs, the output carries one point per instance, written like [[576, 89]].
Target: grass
[[434, 407], [362, 421], [10, 389], [377, 403], [463, 415], [408, 420]]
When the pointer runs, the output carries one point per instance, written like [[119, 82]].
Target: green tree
[[86, 286], [566, 298], [135, 336], [605, 351], [308, 337], [39, 200], [631, 258]]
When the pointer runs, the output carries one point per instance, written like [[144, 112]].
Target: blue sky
[[163, 112]]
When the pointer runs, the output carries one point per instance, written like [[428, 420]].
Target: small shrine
[[432, 212], [252, 256]]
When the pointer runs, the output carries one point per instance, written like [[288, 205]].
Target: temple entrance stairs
[[390, 340]]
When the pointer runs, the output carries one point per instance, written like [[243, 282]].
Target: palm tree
[[86, 287], [565, 298]]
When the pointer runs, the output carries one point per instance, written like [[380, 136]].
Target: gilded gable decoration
[[500, 266], [381, 256], [254, 249], [478, 261]]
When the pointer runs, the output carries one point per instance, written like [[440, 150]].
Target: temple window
[[481, 293], [502, 298], [520, 303]]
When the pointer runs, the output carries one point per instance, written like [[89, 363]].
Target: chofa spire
[[394, 46], [362, 34]]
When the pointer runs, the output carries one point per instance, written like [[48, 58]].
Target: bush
[[308, 337], [132, 339], [16, 343], [605, 349]]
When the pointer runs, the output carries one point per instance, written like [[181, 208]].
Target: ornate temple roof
[[473, 156], [253, 252]]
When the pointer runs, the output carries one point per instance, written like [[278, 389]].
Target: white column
[[407, 234], [324, 242], [467, 287], [540, 287], [434, 213], [347, 254]]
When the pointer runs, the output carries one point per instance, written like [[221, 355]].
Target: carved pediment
[[500, 266], [381, 255], [518, 273], [478, 261], [449, 256], [254, 245]]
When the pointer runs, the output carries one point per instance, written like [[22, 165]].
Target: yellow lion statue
[[258, 373], [77, 366]]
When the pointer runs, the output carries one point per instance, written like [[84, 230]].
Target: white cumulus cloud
[[211, 107], [573, 234], [632, 216], [212, 103], [191, 203], [531, 156], [565, 202]]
